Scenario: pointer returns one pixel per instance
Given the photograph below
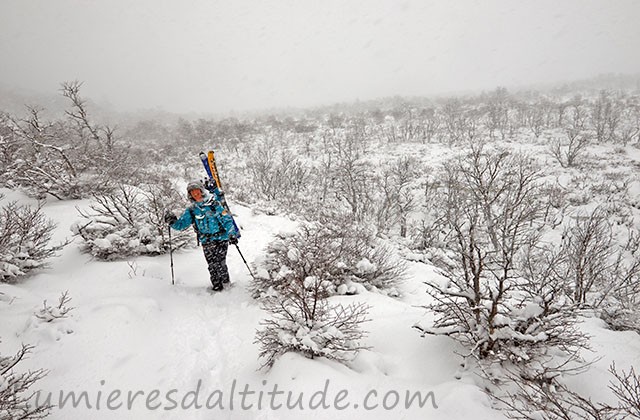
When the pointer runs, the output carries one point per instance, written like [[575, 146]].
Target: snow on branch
[[16, 389], [50, 313]]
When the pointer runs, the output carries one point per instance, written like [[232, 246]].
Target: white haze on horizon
[[220, 56]]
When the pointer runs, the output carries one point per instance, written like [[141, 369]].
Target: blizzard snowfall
[[152, 347]]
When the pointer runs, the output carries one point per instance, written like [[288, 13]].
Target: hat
[[195, 185]]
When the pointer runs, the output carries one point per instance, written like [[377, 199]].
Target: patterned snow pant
[[215, 253]]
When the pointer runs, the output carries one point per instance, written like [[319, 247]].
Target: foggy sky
[[217, 56]]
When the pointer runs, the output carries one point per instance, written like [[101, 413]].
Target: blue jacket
[[211, 219]]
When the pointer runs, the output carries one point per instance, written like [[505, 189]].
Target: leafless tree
[[455, 120], [534, 118], [399, 197], [571, 150], [352, 178], [335, 122], [497, 112], [276, 173], [66, 158], [594, 265], [605, 116], [425, 231], [11, 147], [88, 134], [404, 126], [47, 165], [628, 131], [431, 122], [493, 212], [561, 111], [598, 116]]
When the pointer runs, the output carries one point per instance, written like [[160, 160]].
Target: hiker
[[214, 228]]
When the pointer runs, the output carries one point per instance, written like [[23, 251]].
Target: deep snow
[[131, 330]]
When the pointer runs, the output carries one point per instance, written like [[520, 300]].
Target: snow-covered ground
[[142, 348]]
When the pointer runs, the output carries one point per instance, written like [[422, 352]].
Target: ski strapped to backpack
[[209, 163]]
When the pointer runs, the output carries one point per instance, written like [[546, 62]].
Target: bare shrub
[[302, 320], [550, 400], [276, 174], [425, 231], [534, 118], [50, 313], [16, 389], [571, 151], [67, 158], [627, 388], [492, 211], [462, 123], [628, 130], [403, 126], [338, 252], [352, 178], [25, 233], [398, 195], [622, 318], [531, 399], [595, 266], [129, 221]]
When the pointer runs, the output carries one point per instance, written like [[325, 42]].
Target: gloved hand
[[233, 240], [210, 185], [170, 218]]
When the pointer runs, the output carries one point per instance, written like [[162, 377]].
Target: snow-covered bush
[[536, 400], [594, 265], [299, 274], [398, 198], [569, 152], [303, 320], [498, 297], [25, 233], [570, 149], [342, 254], [16, 390], [276, 174], [627, 388], [130, 221], [622, 317], [50, 313], [66, 158]]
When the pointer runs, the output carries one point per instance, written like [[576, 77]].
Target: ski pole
[[245, 261], [173, 282]]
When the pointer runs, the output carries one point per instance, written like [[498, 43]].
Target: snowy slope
[[131, 330]]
